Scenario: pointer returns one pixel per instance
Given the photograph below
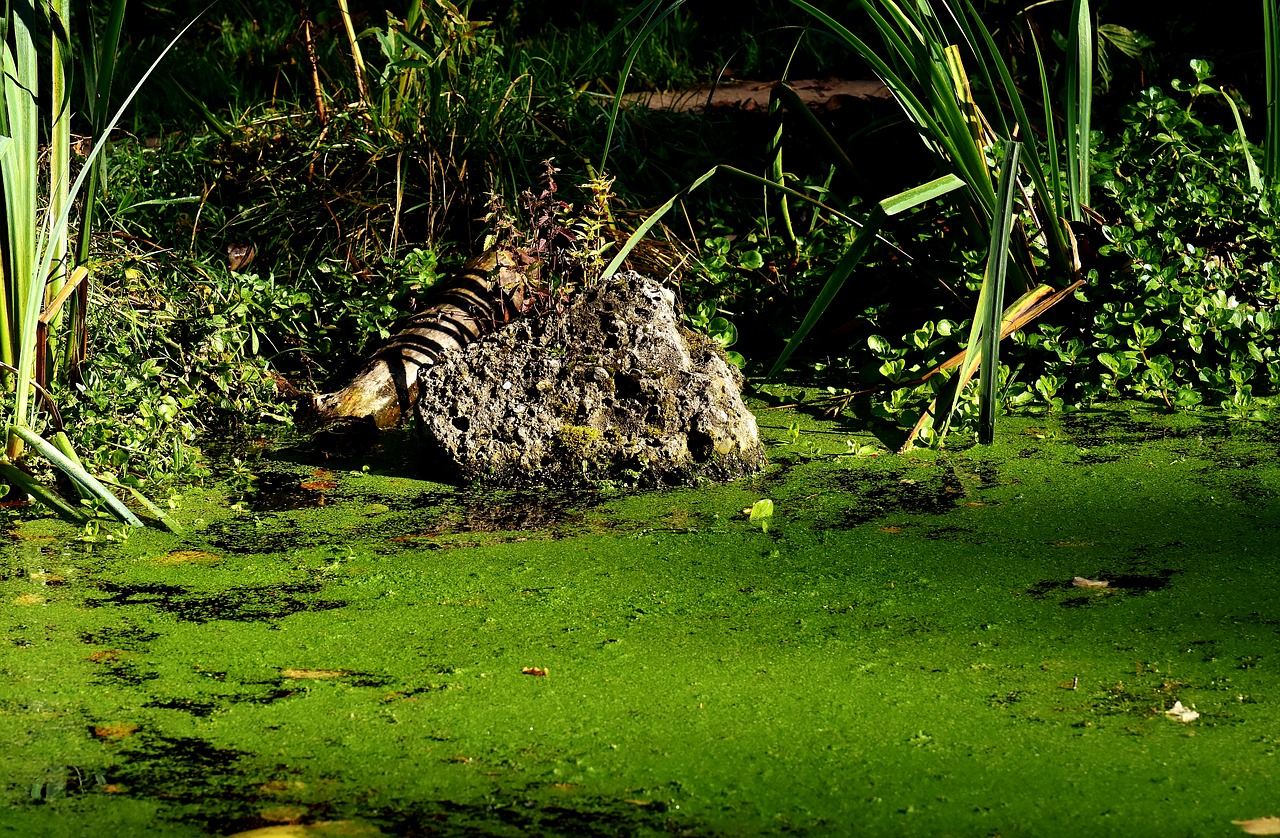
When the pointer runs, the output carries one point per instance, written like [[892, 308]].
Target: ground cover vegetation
[[292, 180]]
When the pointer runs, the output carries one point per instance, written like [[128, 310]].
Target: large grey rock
[[612, 388]]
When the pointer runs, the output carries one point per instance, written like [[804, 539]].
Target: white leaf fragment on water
[[1180, 713], [1081, 582]]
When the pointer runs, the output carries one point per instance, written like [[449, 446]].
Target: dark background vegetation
[[224, 148]]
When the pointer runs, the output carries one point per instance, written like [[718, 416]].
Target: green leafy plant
[[36, 267]]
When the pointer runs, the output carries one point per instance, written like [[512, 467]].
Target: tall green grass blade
[[99, 76], [656, 216], [1079, 105], [54, 225], [1255, 174], [774, 153], [990, 298], [634, 50], [77, 473], [18, 171], [60, 136], [839, 274], [1050, 136], [917, 195], [862, 242], [1271, 44], [997, 262]]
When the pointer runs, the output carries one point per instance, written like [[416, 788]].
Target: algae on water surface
[[902, 652]]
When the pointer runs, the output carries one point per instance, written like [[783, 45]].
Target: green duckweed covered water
[[902, 652]]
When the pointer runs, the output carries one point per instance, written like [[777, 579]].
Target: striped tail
[[482, 298]]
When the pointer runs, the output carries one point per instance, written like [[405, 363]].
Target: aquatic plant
[[39, 272]]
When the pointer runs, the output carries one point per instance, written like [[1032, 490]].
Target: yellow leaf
[[118, 730], [29, 599], [301, 674], [320, 829]]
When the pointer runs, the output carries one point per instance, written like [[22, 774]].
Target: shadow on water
[[241, 604], [892, 491], [1127, 584], [208, 787]]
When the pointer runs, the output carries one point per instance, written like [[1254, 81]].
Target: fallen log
[[485, 295]]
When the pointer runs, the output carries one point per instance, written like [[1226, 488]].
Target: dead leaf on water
[[534, 670], [891, 529], [189, 557], [116, 730], [306, 674], [322, 481], [1259, 826], [320, 829], [106, 655], [29, 599], [1081, 582]]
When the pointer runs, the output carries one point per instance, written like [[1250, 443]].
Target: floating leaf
[[1081, 582], [1181, 714], [534, 670], [189, 557], [118, 730], [760, 513], [1259, 826], [303, 674]]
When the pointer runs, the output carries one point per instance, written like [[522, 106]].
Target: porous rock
[[611, 388]]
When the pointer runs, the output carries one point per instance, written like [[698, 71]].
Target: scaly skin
[[483, 297]]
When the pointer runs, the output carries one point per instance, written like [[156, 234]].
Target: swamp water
[[901, 652]]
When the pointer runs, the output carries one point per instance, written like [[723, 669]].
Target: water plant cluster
[[1080, 203]]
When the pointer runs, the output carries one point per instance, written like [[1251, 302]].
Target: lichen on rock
[[610, 389]]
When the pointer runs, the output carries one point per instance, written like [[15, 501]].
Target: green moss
[[576, 440], [902, 651]]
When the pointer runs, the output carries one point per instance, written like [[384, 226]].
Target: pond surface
[[906, 650]]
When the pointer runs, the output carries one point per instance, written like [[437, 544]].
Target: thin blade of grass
[[988, 301], [1024, 310], [1271, 50], [1255, 174], [626, 73], [997, 264], [654, 217], [1050, 136], [839, 274], [862, 242], [1079, 105]]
